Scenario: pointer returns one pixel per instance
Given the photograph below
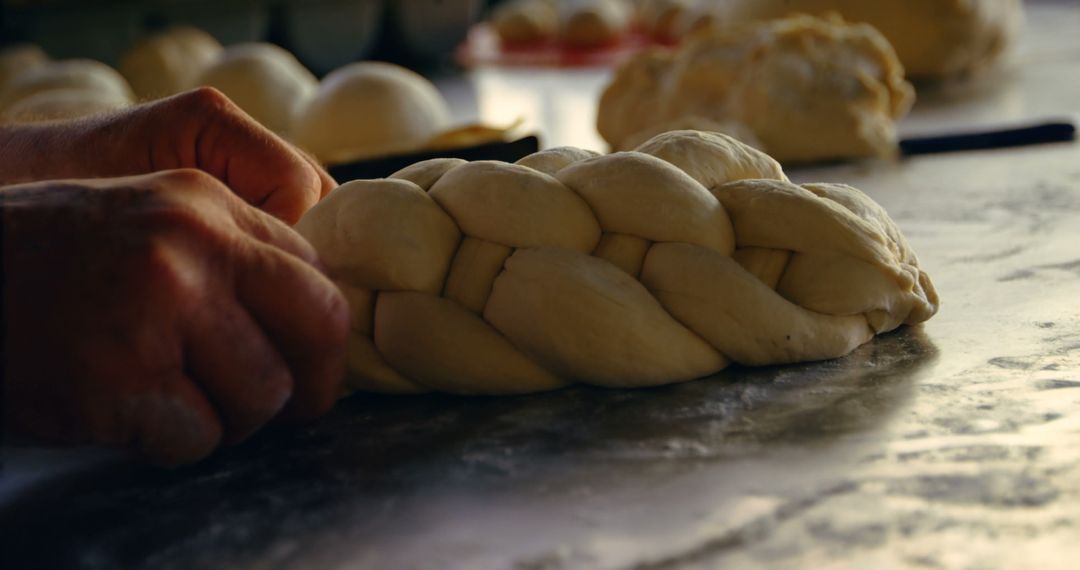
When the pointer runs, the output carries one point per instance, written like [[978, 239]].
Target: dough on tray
[[169, 62], [661, 19], [638, 268], [806, 88], [525, 21], [15, 59], [61, 104], [593, 23], [264, 80], [63, 89], [370, 109]]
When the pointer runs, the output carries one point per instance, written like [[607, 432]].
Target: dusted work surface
[[952, 445]]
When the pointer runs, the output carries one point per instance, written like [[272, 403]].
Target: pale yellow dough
[[583, 24], [264, 80], [934, 38], [661, 19], [638, 268], [62, 90], [17, 58], [61, 104], [526, 21], [593, 23], [370, 109], [169, 62], [805, 89]]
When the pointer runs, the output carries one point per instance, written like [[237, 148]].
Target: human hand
[[160, 312], [199, 129]]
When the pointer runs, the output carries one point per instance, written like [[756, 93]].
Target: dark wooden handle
[[1020, 136]]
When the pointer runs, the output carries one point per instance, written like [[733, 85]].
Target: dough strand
[[633, 269]]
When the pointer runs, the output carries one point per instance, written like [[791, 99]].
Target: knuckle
[[189, 178], [208, 99], [164, 269], [175, 433], [339, 317]]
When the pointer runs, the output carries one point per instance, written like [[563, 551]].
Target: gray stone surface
[[952, 445]]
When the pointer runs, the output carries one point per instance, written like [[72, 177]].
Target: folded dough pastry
[[807, 88], [637, 268], [934, 38]]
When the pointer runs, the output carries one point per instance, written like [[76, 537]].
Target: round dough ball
[[660, 19], [60, 104], [264, 80], [169, 62], [593, 23], [71, 74], [525, 21], [369, 109], [934, 38], [18, 58], [807, 88]]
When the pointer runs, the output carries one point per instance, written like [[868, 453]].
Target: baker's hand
[[161, 312], [200, 129]]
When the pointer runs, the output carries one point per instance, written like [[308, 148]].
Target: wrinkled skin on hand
[[157, 309], [200, 129]]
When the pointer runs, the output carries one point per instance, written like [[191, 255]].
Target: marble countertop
[[951, 445]]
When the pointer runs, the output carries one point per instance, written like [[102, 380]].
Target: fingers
[[327, 182], [274, 232], [305, 317], [257, 164], [176, 424], [237, 367]]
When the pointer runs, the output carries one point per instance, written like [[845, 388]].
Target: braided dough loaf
[[807, 88], [632, 269]]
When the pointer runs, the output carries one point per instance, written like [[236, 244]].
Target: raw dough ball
[[60, 104], [18, 58], [634, 99], [661, 19], [593, 23], [631, 269], [264, 80], [169, 62], [369, 109], [525, 21], [83, 75], [934, 38], [809, 89]]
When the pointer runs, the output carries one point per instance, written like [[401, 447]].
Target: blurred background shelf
[[324, 34]]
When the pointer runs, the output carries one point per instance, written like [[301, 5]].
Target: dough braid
[[631, 269]]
